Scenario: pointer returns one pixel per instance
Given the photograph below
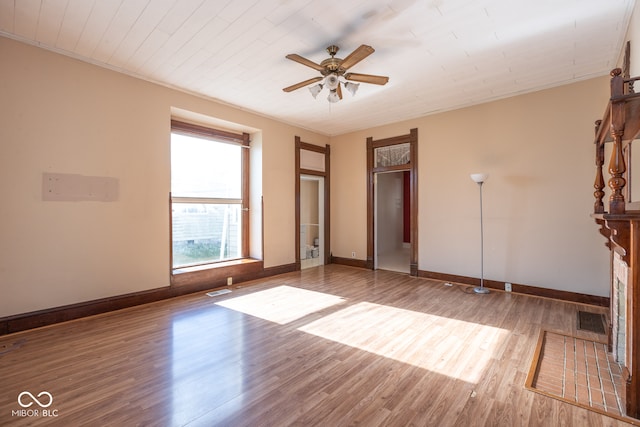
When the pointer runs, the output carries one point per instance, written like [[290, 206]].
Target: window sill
[[221, 264], [212, 275]]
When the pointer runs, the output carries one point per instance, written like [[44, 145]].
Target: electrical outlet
[[507, 287], [353, 254], [229, 281]]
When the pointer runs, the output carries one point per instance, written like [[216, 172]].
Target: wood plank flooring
[[328, 346]]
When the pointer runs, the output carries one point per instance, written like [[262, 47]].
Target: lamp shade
[[315, 90], [352, 87], [479, 177], [333, 97], [332, 81]]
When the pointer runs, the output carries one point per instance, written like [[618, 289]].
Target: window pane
[[205, 168], [204, 233], [392, 155], [311, 160]]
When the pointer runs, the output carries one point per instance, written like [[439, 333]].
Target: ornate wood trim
[[604, 231], [621, 238], [617, 168], [621, 225], [598, 206], [616, 229], [620, 124]]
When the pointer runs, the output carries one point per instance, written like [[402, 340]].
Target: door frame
[[372, 170], [326, 151]]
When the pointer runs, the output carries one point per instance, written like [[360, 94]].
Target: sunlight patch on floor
[[450, 347], [282, 304]]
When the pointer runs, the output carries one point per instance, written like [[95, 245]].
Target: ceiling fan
[[334, 73]]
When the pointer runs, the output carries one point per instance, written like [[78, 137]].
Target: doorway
[[311, 221], [392, 246], [313, 178], [388, 156]]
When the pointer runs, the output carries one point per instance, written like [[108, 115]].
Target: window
[[392, 155], [209, 195]]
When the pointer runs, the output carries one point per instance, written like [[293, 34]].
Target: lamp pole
[[480, 178]]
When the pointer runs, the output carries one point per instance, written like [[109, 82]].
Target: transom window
[[209, 195]]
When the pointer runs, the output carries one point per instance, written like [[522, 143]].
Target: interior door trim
[[326, 150], [412, 167]]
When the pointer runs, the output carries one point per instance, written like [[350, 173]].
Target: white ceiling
[[439, 54]]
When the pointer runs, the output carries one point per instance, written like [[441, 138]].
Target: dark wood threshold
[[183, 283], [520, 289]]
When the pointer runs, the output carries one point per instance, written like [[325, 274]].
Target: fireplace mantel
[[619, 223]]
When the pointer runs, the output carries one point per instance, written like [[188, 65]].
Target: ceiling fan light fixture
[[333, 96], [352, 87], [315, 90], [334, 73]]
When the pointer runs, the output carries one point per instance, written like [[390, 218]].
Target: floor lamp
[[480, 178]]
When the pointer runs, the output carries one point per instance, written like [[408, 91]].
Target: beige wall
[[538, 151], [62, 115], [65, 116]]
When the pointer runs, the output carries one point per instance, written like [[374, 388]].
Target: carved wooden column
[[598, 206], [617, 165], [617, 168]]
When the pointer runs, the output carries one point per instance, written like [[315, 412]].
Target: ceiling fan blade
[[302, 84], [367, 78], [304, 61], [356, 56], [339, 90]]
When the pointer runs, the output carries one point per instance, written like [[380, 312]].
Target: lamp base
[[481, 290]]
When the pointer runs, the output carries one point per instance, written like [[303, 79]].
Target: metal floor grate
[[593, 322], [218, 292]]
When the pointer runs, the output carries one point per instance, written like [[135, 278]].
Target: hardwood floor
[[328, 346]]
